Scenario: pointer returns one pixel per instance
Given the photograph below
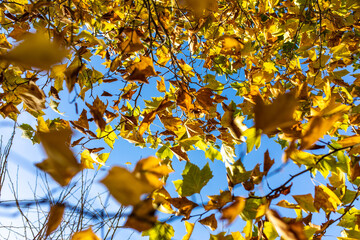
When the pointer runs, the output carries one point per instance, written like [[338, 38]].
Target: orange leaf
[[85, 235], [97, 110], [231, 212], [142, 217], [140, 71]]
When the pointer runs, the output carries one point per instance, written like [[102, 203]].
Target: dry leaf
[[32, 96], [288, 231], [140, 71], [210, 221], [184, 205], [268, 162], [97, 110], [61, 163], [8, 109], [55, 218], [142, 217], [278, 114], [132, 44]]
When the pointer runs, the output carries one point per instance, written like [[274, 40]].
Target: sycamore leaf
[[97, 110], [189, 229], [160, 86], [72, 72], [140, 71], [132, 44], [231, 212], [108, 135], [316, 129], [218, 201], [61, 163], [124, 186], [210, 221], [278, 114], [8, 109], [142, 217], [306, 202], [325, 199], [161, 231], [268, 162], [253, 138], [149, 170], [231, 45], [85, 235], [180, 153], [83, 121], [184, 206], [194, 179], [212, 153], [37, 51], [32, 96], [288, 231], [160, 197], [349, 141], [55, 218]]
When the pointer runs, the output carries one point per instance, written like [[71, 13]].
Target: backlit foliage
[[292, 64]]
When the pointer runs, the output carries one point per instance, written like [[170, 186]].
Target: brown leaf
[[288, 231], [71, 73], [132, 44], [218, 201], [184, 205], [231, 212], [106, 94], [204, 98], [268, 162], [210, 221], [8, 109], [61, 163], [140, 71], [180, 153], [83, 121], [97, 110], [54, 93], [279, 114], [75, 143], [142, 217], [325, 199], [32, 96], [183, 99], [55, 218]]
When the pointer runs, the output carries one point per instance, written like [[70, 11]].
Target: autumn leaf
[[218, 201], [289, 231], [306, 202], [55, 218], [209, 221], [325, 199], [189, 229], [85, 235], [316, 129], [8, 109], [61, 163], [149, 170], [132, 44], [140, 71], [124, 186], [32, 96], [279, 114], [36, 50], [97, 110], [231, 212], [184, 206], [161, 231], [142, 217]]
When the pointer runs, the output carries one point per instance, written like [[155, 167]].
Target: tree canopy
[[183, 75]]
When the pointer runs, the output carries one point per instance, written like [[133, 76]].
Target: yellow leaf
[[325, 199], [210, 221], [231, 212], [55, 217], [349, 141], [132, 44], [316, 129], [231, 45], [279, 114], [161, 85], [61, 163], [149, 170], [35, 51], [189, 229], [97, 110], [85, 235], [124, 186]]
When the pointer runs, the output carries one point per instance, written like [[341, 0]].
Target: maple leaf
[[140, 71], [209, 221], [97, 110], [132, 44], [61, 163]]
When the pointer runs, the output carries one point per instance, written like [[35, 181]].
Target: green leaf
[[165, 152], [212, 153], [108, 135], [161, 231], [28, 132], [194, 179], [306, 202], [253, 138], [221, 236]]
